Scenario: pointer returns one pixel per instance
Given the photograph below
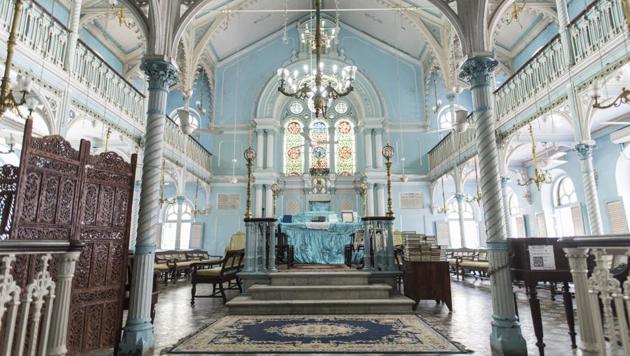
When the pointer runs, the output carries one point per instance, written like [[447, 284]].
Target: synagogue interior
[[314, 177]]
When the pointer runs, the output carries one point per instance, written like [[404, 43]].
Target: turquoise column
[[138, 332], [506, 337]]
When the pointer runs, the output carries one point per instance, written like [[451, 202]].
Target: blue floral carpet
[[398, 334]]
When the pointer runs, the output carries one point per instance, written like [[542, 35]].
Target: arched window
[[344, 148], [318, 132], [169, 228], [568, 213], [516, 216], [471, 234], [171, 233], [293, 148]]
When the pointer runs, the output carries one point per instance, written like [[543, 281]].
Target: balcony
[[596, 33], [43, 43]]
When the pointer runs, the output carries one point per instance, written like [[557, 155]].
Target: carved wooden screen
[[50, 176], [98, 289], [8, 190]]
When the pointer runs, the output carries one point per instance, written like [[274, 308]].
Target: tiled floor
[[468, 324]]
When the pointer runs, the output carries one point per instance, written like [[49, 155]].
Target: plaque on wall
[[412, 200], [228, 201]]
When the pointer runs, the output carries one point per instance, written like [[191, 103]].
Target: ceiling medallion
[[317, 88]]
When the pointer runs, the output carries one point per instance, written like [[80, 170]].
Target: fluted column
[[368, 148], [380, 199], [506, 337], [370, 200], [260, 142], [269, 149], [378, 142], [588, 314], [509, 231], [58, 335], [459, 197], [138, 332], [585, 154], [258, 211]]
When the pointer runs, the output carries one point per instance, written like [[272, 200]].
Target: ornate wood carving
[[105, 222], [59, 193]]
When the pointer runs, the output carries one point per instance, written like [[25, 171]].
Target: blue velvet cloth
[[313, 246]]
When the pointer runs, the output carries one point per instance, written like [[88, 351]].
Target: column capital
[[180, 199], [584, 150], [161, 73], [459, 197], [477, 71], [504, 181]]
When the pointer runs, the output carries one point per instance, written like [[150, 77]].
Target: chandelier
[[541, 176], [319, 86]]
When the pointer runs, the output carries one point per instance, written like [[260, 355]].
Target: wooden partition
[[59, 193]]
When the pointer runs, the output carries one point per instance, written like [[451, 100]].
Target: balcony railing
[[98, 76], [45, 35], [186, 144], [603, 296], [597, 26]]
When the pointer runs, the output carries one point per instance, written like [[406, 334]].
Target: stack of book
[[422, 248]]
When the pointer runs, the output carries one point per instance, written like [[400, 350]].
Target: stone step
[[319, 278], [245, 305], [315, 292]]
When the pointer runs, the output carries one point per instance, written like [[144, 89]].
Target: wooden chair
[[284, 252], [225, 272]]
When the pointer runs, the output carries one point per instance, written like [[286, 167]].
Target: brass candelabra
[[249, 156], [9, 99], [275, 189], [388, 153], [363, 188], [541, 176]]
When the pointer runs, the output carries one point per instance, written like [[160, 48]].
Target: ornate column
[[258, 201], [370, 199], [585, 154], [138, 332], [58, 336], [587, 319], [270, 150], [368, 149], [378, 142], [180, 199], [260, 142], [509, 230], [506, 337], [380, 200], [73, 34]]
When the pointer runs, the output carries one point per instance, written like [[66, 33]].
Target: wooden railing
[[603, 301], [34, 306]]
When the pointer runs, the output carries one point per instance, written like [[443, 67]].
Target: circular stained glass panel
[[293, 128], [344, 127], [294, 152], [296, 107], [319, 152], [345, 152], [341, 107]]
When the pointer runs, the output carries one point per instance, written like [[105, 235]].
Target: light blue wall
[[56, 8], [102, 50], [536, 44]]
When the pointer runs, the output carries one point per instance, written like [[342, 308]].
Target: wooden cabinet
[[427, 280]]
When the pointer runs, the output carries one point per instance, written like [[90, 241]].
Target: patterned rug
[[398, 334]]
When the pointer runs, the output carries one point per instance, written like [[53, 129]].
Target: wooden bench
[[170, 264], [225, 272]]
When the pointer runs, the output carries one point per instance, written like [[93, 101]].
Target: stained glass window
[[294, 149], [318, 132], [344, 148]]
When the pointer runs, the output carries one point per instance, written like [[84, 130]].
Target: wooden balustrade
[[34, 304], [603, 301]]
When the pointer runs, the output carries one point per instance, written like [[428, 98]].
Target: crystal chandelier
[[320, 86]]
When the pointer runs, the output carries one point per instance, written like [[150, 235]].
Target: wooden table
[[427, 280], [523, 271]]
